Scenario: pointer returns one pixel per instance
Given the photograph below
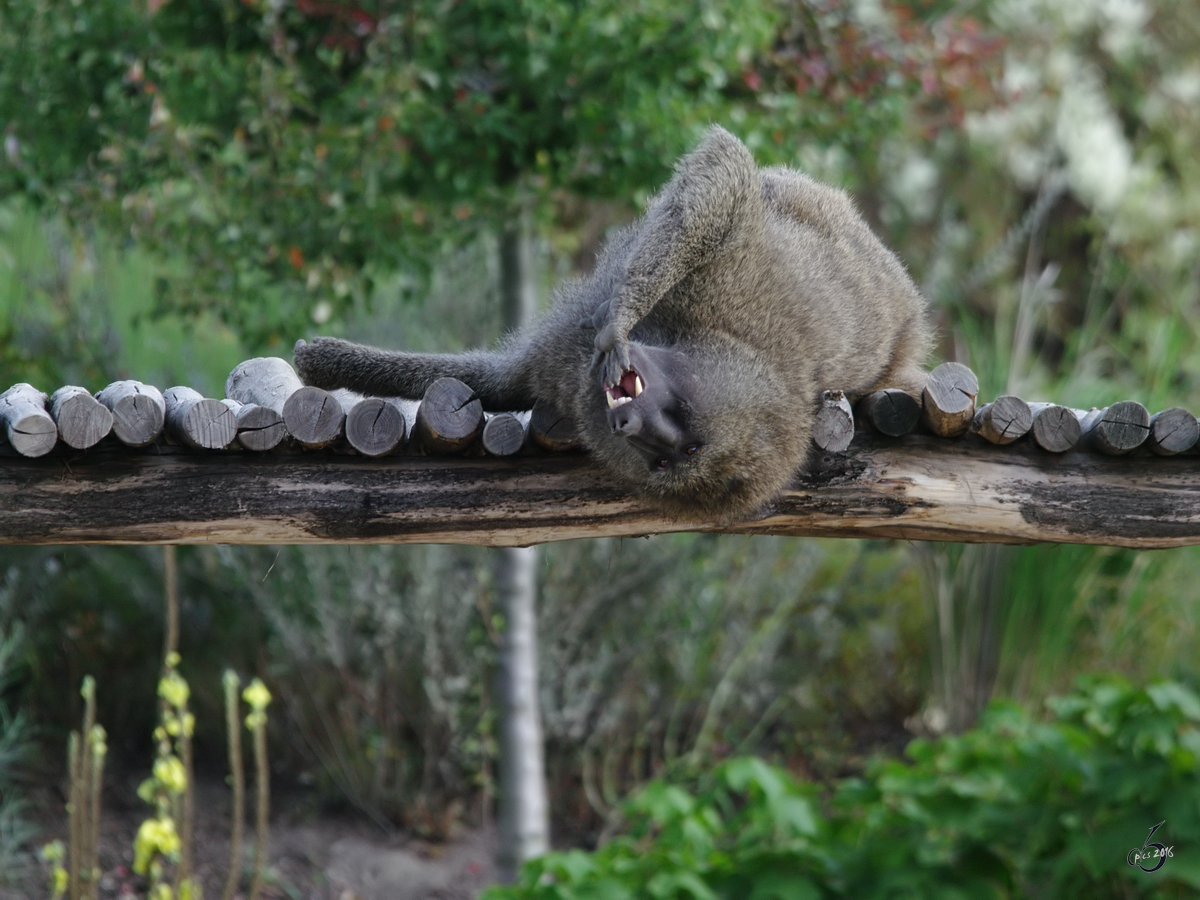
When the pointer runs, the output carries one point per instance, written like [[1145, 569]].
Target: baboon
[[691, 360]]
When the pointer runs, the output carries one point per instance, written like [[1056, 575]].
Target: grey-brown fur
[[746, 291]]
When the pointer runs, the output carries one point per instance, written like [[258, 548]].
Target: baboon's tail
[[494, 376]]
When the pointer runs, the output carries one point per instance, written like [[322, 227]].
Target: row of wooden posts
[[266, 405]]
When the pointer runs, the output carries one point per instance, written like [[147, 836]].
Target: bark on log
[[1116, 429], [197, 421], [1003, 420], [1055, 428], [27, 425], [551, 430], [138, 411], [82, 420], [503, 434], [259, 428], [948, 402], [913, 488], [1172, 431], [834, 428], [313, 417], [375, 427], [890, 411], [450, 419]]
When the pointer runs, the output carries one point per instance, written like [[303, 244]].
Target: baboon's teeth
[[638, 387], [616, 401]]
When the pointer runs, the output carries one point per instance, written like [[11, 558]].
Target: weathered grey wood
[[81, 419], [1116, 429], [503, 434], [313, 417], [347, 398], [1172, 431], [197, 421], [551, 430], [912, 488], [1055, 428], [27, 425], [834, 427], [948, 401], [1003, 420], [450, 418], [375, 427], [891, 411], [259, 428], [138, 411], [264, 381]]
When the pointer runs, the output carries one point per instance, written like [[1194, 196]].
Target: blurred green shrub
[[1013, 808]]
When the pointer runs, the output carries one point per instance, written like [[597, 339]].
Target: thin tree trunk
[[524, 826]]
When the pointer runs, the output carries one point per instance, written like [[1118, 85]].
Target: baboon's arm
[[715, 188]]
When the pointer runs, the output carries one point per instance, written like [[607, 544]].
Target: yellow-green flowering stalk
[[53, 855], [257, 697], [160, 840]]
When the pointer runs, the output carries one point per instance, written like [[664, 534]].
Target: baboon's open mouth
[[625, 390]]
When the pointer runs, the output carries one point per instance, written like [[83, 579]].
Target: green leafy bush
[[1013, 808]]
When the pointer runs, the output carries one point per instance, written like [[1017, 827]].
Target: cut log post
[[137, 409], [1055, 428], [503, 434], [375, 427], [82, 420], [314, 417], [265, 381], [891, 411], [450, 418], [551, 430], [1116, 429], [948, 402], [1172, 431], [1003, 420], [27, 424], [834, 428], [197, 421], [259, 428]]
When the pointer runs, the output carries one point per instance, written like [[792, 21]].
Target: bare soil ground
[[310, 856]]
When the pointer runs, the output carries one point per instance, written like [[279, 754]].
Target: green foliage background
[[187, 183]]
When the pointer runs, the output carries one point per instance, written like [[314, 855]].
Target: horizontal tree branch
[[914, 488]]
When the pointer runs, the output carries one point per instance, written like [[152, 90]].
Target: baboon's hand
[[612, 346]]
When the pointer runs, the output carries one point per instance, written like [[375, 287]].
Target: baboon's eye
[[663, 463], [692, 448]]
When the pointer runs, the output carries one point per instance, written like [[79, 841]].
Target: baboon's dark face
[[653, 407]]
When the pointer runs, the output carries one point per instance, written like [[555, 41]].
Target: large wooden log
[[27, 425], [911, 488], [138, 411], [81, 419]]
